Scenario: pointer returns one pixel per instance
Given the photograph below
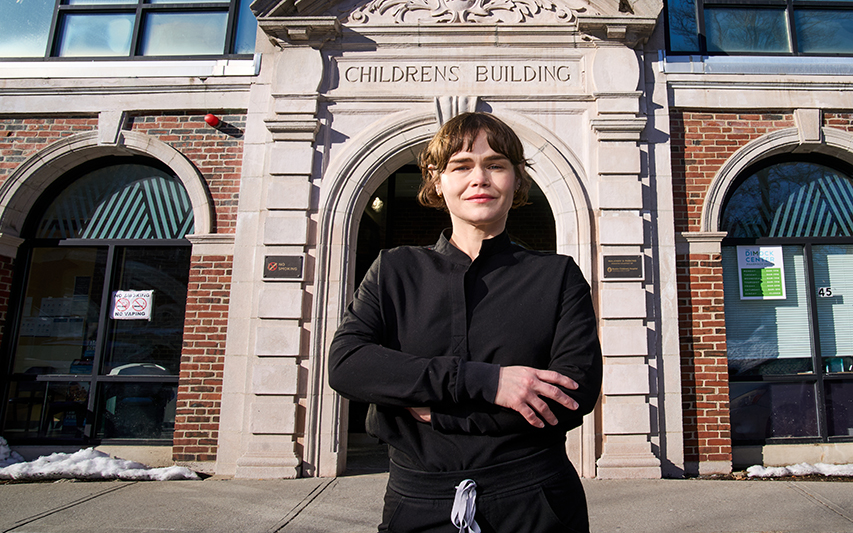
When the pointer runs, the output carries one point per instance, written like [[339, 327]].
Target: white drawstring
[[465, 507]]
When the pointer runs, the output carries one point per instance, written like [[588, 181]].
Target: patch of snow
[[84, 464], [801, 469]]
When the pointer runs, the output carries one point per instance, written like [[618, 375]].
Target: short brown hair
[[458, 134]]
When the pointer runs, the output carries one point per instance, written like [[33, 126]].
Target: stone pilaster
[[627, 419], [261, 412]]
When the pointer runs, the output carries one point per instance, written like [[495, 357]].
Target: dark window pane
[[151, 347], [137, 410], [95, 35], [772, 410], [66, 410], [24, 408], [746, 30], [824, 31], [24, 27], [247, 28], [60, 312], [683, 30], [184, 34], [839, 408]]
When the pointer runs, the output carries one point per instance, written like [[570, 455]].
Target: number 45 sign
[[825, 292], [132, 305]]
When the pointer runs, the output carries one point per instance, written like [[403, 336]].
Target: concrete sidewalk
[[353, 504]]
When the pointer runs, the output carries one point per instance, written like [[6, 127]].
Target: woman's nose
[[479, 175]]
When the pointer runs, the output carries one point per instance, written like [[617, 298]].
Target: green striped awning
[[796, 199], [128, 201]]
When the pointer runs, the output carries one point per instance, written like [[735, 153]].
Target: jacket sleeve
[[575, 352], [363, 368]]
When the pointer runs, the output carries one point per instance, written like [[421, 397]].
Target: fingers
[[421, 414], [525, 389]]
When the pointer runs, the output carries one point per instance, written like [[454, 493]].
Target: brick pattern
[[704, 370], [701, 143], [842, 121], [20, 138], [202, 359], [217, 153]]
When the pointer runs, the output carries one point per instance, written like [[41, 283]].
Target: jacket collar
[[488, 248]]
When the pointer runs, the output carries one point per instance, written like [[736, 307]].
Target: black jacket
[[429, 327]]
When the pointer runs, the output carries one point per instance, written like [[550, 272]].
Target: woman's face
[[478, 187]]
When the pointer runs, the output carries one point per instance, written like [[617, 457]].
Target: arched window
[[788, 276], [97, 325]]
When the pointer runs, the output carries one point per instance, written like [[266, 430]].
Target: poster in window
[[761, 271], [132, 305]]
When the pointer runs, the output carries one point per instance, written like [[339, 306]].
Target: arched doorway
[[365, 162], [95, 327], [393, 217], [787, 265]]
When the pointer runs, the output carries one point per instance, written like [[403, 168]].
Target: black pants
[[538, 494]]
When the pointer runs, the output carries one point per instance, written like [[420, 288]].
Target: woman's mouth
[[480, 198]]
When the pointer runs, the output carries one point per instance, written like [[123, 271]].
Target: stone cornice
[[437, 22], [312, 31], [628, 29]]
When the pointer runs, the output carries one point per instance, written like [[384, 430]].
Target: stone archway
[[366, 161]]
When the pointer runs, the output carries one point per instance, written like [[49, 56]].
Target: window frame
[[790, 7], [95, 378], [140, 9], [819, 377]]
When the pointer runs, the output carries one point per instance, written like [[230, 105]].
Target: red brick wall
[[704, 371], [202, 359], [701, 143], [842, 121]]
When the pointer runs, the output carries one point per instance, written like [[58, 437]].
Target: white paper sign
[[132, 305]]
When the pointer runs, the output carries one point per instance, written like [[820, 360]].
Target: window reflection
[[746, 30], [59, 319], [683, 31], [150, 346], [25, 27], [99, 34], [137, 410], [761, 410], [823, 31], [176, 34]]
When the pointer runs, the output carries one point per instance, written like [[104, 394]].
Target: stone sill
[[204, 68]]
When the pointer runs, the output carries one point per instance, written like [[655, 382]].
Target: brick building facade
[[636, 156]]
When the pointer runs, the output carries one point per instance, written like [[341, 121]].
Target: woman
[[476, 355]]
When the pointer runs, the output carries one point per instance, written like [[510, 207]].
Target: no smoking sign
[[132, 305]]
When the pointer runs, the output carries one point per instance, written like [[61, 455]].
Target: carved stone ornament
[[470, 11]]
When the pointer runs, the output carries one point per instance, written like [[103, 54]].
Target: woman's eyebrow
[[468, 159]]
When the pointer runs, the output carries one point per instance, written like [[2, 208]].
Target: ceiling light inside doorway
[[377, 204]]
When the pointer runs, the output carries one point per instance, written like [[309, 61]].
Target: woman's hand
[[421, 414], [522, 389]]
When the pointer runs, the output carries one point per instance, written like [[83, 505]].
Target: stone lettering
[[489, 73]]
